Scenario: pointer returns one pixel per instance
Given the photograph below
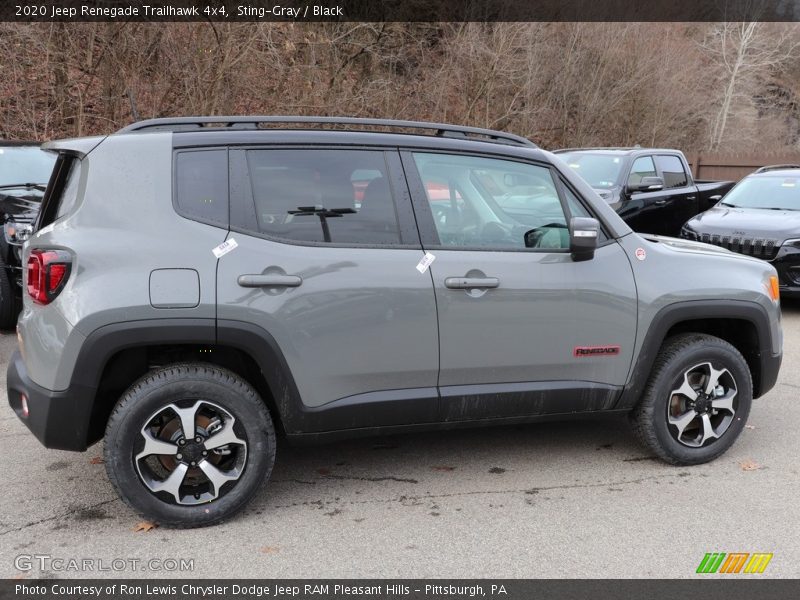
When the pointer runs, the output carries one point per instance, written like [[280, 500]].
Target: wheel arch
[[113, 357], [745, 325]]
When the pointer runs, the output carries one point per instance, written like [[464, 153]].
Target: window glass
[[576, 209], [202, 184], [490, 203], [70, 194], [672, 171], [642, 167], [337, 196], [599, 170]]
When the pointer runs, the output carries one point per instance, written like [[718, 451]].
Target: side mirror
[[647, 184], [715, 197], [584, 233]]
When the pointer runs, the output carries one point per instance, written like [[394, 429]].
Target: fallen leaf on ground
[[749, 426], [750, 465], [96, 460], [145, 526], [443, 468], [269, 549]]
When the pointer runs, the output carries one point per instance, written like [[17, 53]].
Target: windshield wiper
[[25, 186], [726, 204]]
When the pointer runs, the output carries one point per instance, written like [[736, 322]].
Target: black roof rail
[[621, 148], [775, 168], [241, 122]]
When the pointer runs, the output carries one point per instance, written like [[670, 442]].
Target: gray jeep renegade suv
[[196, 286]]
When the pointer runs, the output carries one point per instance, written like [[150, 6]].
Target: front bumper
[[58, 419], [787, 263]]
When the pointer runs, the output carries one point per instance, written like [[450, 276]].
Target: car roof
[[325, 125], [618, 151], [776, 173]]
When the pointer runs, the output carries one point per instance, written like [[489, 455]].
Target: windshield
[[600, 171], [781, 193], [25, 164]]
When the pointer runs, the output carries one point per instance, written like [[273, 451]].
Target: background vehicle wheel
[[9, 304], [696, 401], [189, 445]]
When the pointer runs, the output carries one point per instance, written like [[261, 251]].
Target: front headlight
[[795, 242], [688, 233], [17, 233]]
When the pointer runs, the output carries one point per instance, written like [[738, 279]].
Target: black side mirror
[[647, 184], [584, 233]]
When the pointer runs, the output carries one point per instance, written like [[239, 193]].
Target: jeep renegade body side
[[194, 289]]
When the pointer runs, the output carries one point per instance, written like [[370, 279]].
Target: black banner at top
[[397, 10]]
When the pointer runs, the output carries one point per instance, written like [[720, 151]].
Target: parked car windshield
[[600, 171], [25, 164], [775, 192]]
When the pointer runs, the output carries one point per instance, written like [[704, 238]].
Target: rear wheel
[[189, 445], [696, 402]]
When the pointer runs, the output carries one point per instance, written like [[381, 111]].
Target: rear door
[[523, 330], [325, 262]]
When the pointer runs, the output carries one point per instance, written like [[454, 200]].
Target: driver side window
[[488, 203]]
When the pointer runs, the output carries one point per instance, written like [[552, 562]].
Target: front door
[[523, 330]]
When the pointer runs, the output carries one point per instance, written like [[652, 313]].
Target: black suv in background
[[651, 189], [24, 172], [759, 217]]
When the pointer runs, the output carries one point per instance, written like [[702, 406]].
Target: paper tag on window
[[224, 248], [425, 262]]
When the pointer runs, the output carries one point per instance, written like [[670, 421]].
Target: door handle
[[468, 283], [660, 202], [251, 281]]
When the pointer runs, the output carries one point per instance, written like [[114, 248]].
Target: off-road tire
[[650, 418], [155, 391]]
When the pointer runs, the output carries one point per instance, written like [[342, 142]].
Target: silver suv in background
[[198, 286]]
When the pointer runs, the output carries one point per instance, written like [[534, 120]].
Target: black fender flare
[[692, 310]]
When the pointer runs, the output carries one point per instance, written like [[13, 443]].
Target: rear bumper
[[58, 419]]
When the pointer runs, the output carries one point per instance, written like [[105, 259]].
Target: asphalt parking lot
[[576, 499]]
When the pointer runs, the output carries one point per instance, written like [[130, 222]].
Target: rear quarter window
[[201, 185], [61, 195]]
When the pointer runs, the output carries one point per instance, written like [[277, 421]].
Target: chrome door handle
[[251, 281], [660, 202], [470, 283]]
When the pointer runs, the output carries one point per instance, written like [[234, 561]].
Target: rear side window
[[201, 185], [62, 190], [322, 196], [672, 170]]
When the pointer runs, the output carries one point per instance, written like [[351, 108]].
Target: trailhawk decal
[[584, 351]]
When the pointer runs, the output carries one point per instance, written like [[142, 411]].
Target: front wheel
[[696, 401], [189, 445]]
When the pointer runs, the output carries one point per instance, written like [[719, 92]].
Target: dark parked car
[[651, 189], [759, 217], [24, 172]]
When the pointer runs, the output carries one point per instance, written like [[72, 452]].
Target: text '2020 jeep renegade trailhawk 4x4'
[[196, 285]]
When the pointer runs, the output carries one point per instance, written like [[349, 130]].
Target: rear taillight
[[48, 272]]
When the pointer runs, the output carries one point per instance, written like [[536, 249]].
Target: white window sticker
[[425, 262], [224, 248]]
